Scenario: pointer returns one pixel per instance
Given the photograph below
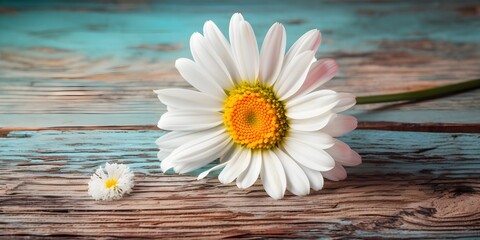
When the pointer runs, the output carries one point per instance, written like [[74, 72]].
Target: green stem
[[431, 93]]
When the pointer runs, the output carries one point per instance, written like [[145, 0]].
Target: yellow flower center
[[254, 116], [111, 182]]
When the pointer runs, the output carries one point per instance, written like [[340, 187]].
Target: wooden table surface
[[76, 81]]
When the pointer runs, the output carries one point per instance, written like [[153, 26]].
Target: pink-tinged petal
[[338, 173], [196, 76], [245, 50], [343, 154], [272, 54], [355, 159], [222, 48], [273, 175], [310, 41], [340, 125], [209, 61], [292, 76], [320, 72], [347, 100]]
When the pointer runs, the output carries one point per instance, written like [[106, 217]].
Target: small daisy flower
[[263, 114], [111, 183]]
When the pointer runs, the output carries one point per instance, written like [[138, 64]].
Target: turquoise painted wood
[[73, 57], [76, 81], [411, 185], [119, 29], [385, 152]]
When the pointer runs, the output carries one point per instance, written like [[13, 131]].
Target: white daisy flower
[[111, 183], [262, 114]]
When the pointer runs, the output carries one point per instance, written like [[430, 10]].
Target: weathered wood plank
[[79, 66], [111, 86], [389, 126], [411, 185], [391, 118], [96, 68]]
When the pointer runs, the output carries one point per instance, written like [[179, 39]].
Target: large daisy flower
[[262, 114]]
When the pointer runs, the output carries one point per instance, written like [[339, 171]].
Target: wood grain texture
[[369, 117], [426, 186], [76, 81], [389, 126], [107, 57]]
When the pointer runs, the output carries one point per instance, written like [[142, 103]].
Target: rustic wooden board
[[106, 57], [419, 185], [76, 81]]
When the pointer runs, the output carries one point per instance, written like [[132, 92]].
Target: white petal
[[317, 139], [272, 54], [165, 165], [234, 23], [312, 104], [343, 154], [189, 121], [347, 100], [311, 124], [315, 177], [171, 109], [207, 58], [308, 156], [310, 41], [273, 175], [174, 139], [182, 168], [336, 174], [320, 72], [292, 76], [340, 125], [186, 167], [198, 78], [309, 97], [208, 146], [245, 50], [235, 166], [221, 47], [297, 181], [162, 155], [215, 153], [250, 175], [184, 99], [205, 173], [229, 154]]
